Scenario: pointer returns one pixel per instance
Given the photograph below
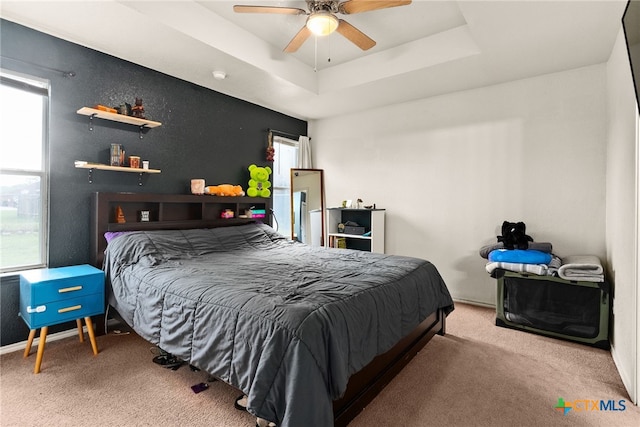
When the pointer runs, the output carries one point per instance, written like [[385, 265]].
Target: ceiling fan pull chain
[[315, 54]]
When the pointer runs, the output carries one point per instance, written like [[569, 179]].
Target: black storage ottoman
[[572, 310]]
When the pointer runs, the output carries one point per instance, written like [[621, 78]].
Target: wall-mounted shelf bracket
[[90, 176], [91, 121]]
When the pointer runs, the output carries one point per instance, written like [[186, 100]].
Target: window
[[24, 105], [286, 158]]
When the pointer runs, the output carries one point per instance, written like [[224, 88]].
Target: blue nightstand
[[49, 296]]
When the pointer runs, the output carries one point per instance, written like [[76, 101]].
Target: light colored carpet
[[476, 375]]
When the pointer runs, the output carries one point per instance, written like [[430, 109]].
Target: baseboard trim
[[5, 349], [479, 304], [626, 377]]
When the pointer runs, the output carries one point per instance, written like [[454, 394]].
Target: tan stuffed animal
[[224, 190]]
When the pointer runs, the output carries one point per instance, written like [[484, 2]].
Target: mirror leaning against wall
[[307, 206]]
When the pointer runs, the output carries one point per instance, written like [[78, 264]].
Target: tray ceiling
[[424, 49]]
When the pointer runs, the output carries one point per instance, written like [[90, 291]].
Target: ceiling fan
[[322, 20]]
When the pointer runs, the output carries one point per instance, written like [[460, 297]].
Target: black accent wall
[[204, 134]]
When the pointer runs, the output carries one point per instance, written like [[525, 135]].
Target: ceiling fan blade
[[269, 9], [298, 40], [354, 35], [358, 6]]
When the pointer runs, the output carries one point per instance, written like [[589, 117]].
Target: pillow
[[132, 247], [521, 256], [110, 235]]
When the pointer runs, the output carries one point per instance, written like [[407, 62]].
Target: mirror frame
[[294, 173]]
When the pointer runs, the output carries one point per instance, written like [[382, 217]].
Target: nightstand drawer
[[53, 284], [63, 311]]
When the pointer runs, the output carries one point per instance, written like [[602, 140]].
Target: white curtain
[[304, 153]]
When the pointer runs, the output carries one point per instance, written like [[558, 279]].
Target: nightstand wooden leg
[[32, 335], [43, 340], [80, 333], [92, 336]]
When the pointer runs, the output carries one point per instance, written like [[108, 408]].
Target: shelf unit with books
[[372, 220]]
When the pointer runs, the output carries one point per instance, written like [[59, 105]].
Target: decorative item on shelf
[[197, 187], [224, 190], [351, 227], [347, 204], [337, 242], [143, 216], [120, 219], [271, 152], [124, 109], [145, 164], [359, 203], [226, 214], [134, 162], [138, 110], [105, 108], [117, 155], [258, 213], [259, 183]]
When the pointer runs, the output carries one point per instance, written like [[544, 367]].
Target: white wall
[[621, 213], [450, 169]]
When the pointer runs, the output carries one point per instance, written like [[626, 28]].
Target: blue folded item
[[521, 256]]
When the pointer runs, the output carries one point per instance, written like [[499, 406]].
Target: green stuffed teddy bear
[[259, 183]]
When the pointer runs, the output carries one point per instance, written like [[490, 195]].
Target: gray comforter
[[284, 322]]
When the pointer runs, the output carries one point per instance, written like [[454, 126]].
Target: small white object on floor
[[260, 422]]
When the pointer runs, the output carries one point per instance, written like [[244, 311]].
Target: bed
[[309, 334]]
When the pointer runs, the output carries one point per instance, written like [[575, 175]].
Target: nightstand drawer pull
[[70, 289], [72, 308], [38, 309]]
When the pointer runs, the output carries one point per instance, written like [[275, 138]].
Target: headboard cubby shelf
[[166, 211]]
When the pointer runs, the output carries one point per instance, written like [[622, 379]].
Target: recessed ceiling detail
[[423, 49]]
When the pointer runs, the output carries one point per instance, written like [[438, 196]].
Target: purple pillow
[[110, 235]]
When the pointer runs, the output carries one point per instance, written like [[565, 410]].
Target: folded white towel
[[539, 269], [586, 268]]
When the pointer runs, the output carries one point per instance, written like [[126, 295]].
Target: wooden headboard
[[166, 212]]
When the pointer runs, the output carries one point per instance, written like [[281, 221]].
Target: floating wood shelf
[[350, 236], [142, 124], [91, 166], [115, 117]]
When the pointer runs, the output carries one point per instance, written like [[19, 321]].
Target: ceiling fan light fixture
[[322, 23]]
